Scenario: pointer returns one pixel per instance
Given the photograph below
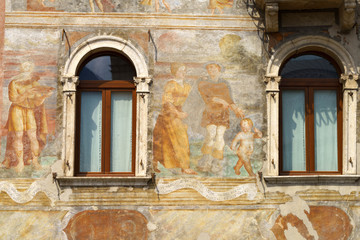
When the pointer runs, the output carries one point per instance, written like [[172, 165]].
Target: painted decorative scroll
[[249, 189]]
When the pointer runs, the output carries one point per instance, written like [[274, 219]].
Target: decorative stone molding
[[142, 84], [350, 86], [272, 17], [272, 83], [70, 81], [349, 81], [347, 15]]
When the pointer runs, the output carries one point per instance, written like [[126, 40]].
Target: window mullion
[[107, 130]]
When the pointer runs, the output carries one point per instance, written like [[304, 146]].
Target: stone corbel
[[272, 17], [347, 15]]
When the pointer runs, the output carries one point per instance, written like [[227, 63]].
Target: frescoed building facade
[[178, 119]]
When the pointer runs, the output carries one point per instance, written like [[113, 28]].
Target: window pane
[[293, 130], [121, 132], [309, 66], [90, 132], [325, 110], [108, 67]]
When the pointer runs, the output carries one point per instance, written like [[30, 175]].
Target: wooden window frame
[[309, 85]]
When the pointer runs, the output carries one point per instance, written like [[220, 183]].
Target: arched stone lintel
[[106, 43], [311, 43]]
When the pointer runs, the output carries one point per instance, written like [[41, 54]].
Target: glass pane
[[108, 67], [309, 66], [325, 110], [293, 130], [121, 132], [90, 132]]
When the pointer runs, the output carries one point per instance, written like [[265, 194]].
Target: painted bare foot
[[36, 164], [189, 171], [237, 170], [5, 164], [19, 168]]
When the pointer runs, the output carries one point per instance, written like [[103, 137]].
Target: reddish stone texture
[[107, 224], [330, 223]]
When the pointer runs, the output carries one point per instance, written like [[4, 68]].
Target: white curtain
[[325, 111], [293, 130], [121, 132], [90, 132]]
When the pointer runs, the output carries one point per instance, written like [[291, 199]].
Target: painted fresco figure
[[170, 138], [246, 139], [27, 124], [157, 4], [216, 118], [103, 5], [219, 5]]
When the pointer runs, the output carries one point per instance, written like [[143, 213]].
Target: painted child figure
[[246, 148]]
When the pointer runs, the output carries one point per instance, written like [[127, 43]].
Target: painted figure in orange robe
[[157, 4], [103, 5], [170, 138], [216, 118], [27, 125], [219, 5]]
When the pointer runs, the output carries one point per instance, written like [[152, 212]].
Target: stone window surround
[[69, 81], [348, 79]]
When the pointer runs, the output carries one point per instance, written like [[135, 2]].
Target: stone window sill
[[103, 181], [312, 180]]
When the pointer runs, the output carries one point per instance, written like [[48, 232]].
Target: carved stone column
[[69, 103], [350, 88], [347, 15], [142, 90], [272, 99], [272, 17]]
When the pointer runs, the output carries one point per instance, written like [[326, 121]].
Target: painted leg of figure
[[34, 144], [166, 5], [209, 139], [100, 6], [238, 165], [247, 165], [92, 5], [19, 151], [157, 5], [219, 143]]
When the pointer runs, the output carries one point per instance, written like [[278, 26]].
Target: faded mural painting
[[157, 6], [29, 108], [201, 123]]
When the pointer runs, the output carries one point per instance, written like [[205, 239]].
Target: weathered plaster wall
[[206, 199]]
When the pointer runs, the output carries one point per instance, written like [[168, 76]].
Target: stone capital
[[142, 84], [349, 81], [272, 83], [347, 15], [69, 83]]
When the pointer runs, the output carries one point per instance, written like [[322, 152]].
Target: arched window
[[106, 116], [310, 116]]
